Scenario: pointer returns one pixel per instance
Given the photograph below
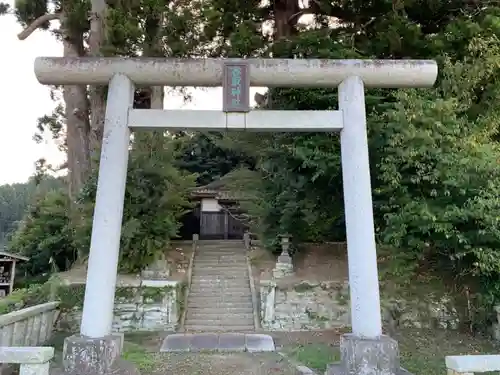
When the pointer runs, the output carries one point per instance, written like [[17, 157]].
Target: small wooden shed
[[8, 271], [219, 209]]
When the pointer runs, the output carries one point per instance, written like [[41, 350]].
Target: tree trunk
[[97, 93], [286, 16], [77, 123]]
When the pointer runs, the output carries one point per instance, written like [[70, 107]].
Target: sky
[[23, 100]]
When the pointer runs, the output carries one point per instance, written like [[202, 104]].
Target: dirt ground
[[217, 364], [315, 262]]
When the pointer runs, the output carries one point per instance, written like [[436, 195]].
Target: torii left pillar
[[96, 350]]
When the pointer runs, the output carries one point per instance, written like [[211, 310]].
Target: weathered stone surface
[[321, 305], [234, 342], [364, 356], [259, 343], [204, 341], [90, 356], [473, 363], [176, 343], [38, 369], [26, 355], [151, 306], [223, 342]]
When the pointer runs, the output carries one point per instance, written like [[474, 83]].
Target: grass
[[315, 356], [145, 361], [422, 351]]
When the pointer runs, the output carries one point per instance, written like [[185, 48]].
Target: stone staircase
[[220, 298]]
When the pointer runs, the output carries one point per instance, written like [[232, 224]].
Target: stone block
[[176, 343], [91, 356], [256, 343], [234, 342], [26, 355], [473, 363], [366, 356], [204, 342]]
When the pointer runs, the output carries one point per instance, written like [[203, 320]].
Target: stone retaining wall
[[313, 305], [31, 326], [147, 305]]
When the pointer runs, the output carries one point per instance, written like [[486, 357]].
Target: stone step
[[222, 342], [221, 251], [212, 255], [229, 247], [218, 278], [201, 304], [221, 267], [219, 302], [218, 310], [223, 275], [221, 242], [220, 294], [220, 291], [219, 260], [241, 286], [229, 321], [201, 271], [221, 315], [220, 283], [213, 328], [237, 245]]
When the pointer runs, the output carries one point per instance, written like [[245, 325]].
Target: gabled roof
[[224, 188], [15, 256]]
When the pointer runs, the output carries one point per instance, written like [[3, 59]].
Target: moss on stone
[[154, 294], [303, 287], [126, 293], [181, 294]]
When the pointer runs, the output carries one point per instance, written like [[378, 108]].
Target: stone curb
[[223, 342], [301, 369]]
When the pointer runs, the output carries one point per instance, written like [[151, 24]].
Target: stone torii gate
[[365, 350]]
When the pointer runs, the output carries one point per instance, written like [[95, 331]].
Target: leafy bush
[[54, 235], [45, 236], [33, 295], [156, 197]]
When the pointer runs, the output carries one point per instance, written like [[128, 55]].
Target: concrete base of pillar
[[363, 356], [92, 356]]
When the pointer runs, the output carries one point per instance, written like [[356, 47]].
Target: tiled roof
[[220, 195]]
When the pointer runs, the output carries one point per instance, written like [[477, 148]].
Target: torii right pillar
[[365, 351]]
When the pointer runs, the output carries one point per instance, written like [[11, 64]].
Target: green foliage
[[202, 154], [35, 294], [15, 200], [156, 197], [438, 175], [44, 236]]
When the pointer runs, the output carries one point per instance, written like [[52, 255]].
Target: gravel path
[[220, 364]]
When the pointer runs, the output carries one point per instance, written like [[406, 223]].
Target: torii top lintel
[[306, 73]]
